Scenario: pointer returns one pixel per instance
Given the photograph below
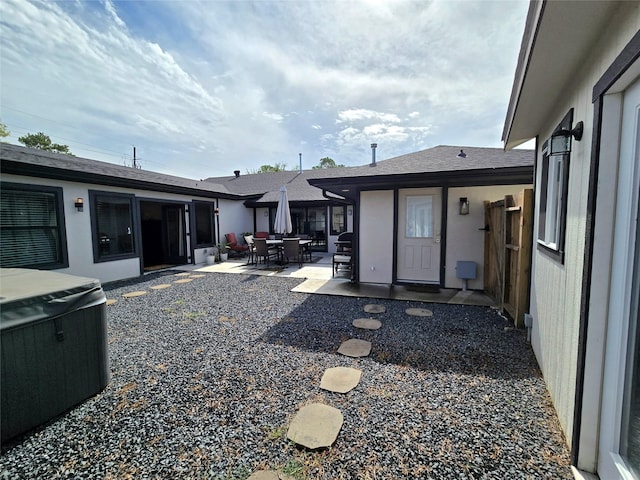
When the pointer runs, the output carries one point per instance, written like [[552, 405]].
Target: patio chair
[[261, 235], [252, 248], [234, 246], [264, 251], [306, 248], [292, 250]]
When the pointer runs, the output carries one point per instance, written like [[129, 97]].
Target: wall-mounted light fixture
[[561, 139], [464, 206], [216, 212], [79, 204]]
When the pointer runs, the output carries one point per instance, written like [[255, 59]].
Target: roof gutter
[[342, 201]]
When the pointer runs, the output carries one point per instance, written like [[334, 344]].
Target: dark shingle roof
[[268, 184], [28, 161], [444, 158]]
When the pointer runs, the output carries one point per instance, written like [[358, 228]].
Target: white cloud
[[211, 80]]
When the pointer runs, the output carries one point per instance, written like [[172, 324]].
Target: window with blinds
[[32, 227], [112, 225]]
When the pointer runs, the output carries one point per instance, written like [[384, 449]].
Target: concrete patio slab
[[318, 280]]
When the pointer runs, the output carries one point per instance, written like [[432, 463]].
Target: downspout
[[217, 215]]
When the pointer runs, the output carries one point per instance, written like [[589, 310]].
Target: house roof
[[551, 53], [38, 163], [268, 184], [437, 166]]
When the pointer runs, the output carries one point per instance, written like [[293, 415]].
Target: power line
[[111, 153]]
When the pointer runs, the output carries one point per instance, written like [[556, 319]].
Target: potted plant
[[223, 251], [211, 256]]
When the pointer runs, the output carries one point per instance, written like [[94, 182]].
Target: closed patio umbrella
[[283, 223]]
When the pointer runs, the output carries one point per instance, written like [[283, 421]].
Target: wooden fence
[[507, 253]]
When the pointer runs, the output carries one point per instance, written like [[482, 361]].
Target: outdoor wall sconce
[[464, 206], [216, 211], [561, 139], [79, 204]]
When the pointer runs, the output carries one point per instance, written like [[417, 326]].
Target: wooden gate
[[507, 253]]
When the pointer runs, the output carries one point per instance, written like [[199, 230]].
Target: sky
[[203, 88]]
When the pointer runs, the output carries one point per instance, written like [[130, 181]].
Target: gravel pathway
[[206, 376]]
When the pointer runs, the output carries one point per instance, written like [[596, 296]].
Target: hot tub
[[54, 346]]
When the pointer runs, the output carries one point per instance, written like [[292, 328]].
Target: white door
[[619, 446], [418, 255]]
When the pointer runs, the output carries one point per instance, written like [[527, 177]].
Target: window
[[552, 209], [338, 219], [32, 229], [112, 224], [419, 216], [204, 224]]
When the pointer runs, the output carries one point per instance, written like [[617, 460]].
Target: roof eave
[[40, 171]]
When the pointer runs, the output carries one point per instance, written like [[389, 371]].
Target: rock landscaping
[[210, 377]]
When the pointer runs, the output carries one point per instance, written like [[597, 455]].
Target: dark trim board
[[464, 178], [629, 55]]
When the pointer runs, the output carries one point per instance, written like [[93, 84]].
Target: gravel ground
[[207, 375]]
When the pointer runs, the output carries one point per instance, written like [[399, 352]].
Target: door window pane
[[419, 218]]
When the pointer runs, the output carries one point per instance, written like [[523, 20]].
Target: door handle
[[486, 228]]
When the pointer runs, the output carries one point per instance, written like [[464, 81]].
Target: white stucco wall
[[78, 228], [556, 288], [235, 218], [465, 240], [375, 247]]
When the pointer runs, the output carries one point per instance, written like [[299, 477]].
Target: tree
[[278, 167], [4, 131], [43, 142], [327, 162]]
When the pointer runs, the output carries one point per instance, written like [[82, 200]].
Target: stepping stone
[[355, 348], [197, 276], [367, 323], [315, 426], [340, 379], [183, 274], [133, 294], [374, 308], [419, 312], [111, 301], [161, 286], [269, 475], [184, 280]]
